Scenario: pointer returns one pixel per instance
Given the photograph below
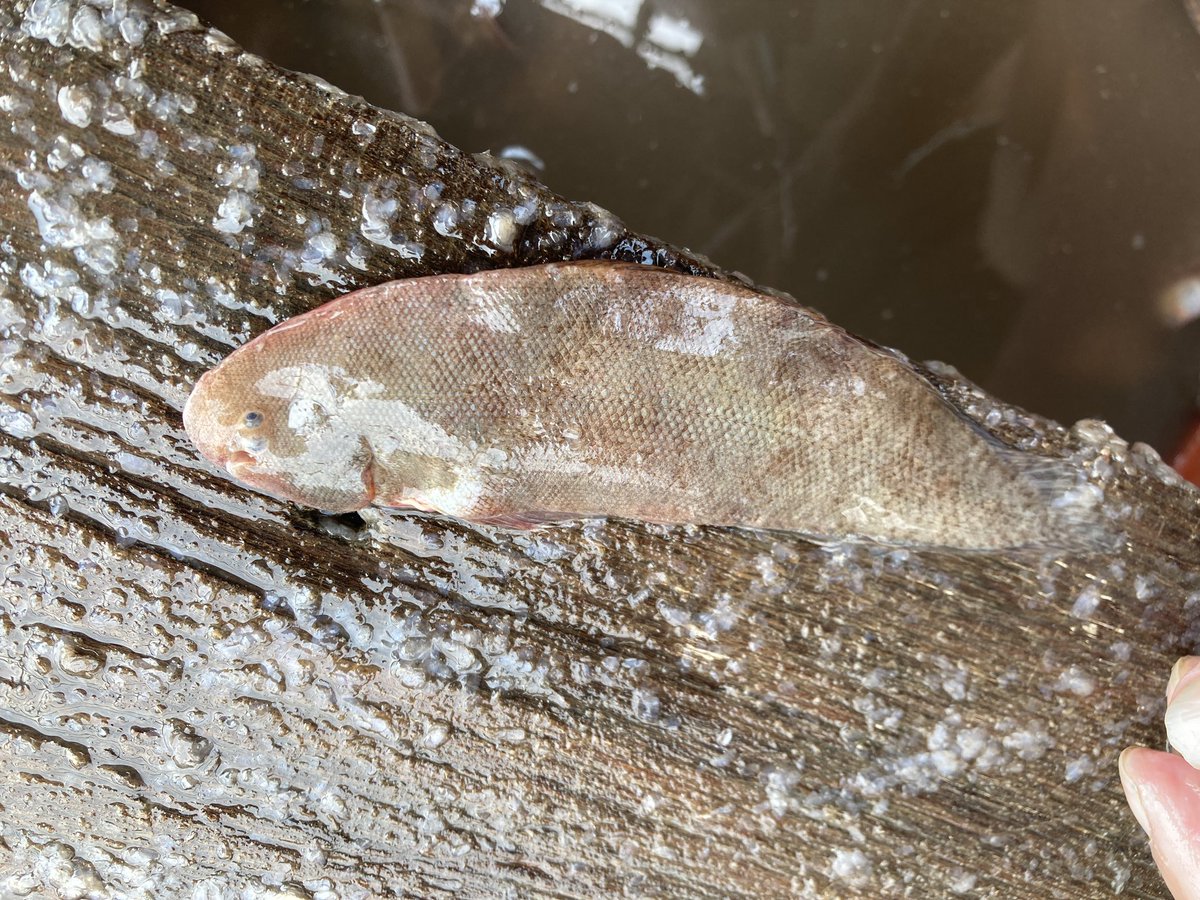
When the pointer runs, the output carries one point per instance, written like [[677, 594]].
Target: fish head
[[276, 422]]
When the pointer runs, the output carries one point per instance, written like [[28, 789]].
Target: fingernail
[[1183, 721], [1132, 793], [1182, 667]]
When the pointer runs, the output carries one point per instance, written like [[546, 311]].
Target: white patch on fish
[[395, 427], [494, 313], [458, 500], [706, 327]]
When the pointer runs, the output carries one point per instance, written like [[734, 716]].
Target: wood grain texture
[[206, 692]]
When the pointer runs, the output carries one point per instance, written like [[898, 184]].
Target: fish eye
[[252, 419]]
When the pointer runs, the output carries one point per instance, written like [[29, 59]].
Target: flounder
[[520, 396]]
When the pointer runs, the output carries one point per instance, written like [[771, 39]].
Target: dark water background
[[1011, 186]]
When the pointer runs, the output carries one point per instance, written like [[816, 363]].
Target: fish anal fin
[[523, 520]]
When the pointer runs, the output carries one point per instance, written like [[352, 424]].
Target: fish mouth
[[238, 462], [244, 467]]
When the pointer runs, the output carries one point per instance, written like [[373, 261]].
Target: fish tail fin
[[1069, 503]]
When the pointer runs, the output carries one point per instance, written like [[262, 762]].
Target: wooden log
[[207, 692]]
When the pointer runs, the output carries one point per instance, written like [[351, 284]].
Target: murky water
[[1008, 186]]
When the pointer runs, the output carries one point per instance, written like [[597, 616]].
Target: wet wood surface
[[207, 692]]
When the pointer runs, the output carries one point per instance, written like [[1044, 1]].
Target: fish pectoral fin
[[524, 520]]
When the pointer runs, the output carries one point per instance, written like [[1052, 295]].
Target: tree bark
[[207, 692]]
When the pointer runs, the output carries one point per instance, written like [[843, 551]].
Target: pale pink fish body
[[583, 389]]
